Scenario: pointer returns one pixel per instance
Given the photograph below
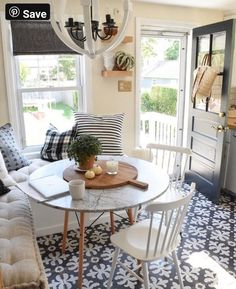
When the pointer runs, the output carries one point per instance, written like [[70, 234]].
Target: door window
[[214, 46]]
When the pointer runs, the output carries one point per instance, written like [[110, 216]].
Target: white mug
[[77, 189]]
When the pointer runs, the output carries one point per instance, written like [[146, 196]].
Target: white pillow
[[4, 176]]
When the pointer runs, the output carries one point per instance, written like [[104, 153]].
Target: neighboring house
[[161, 73]]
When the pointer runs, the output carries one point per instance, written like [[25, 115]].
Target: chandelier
[[83, 37]]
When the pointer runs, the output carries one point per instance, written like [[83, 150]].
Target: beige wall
[[106, 98], [105, 95]]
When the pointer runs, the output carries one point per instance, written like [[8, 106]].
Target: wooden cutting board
[[127, 174]]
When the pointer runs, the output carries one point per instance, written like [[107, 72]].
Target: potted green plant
[[124, 61], [84, 149]]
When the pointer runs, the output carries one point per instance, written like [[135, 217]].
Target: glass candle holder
[[112, 167]]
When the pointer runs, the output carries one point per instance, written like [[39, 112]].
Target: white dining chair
[[173, 160], [152, 239]]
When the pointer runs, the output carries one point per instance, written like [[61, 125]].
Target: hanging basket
[[204, 77]]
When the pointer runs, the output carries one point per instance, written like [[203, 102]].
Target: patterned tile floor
[[207, 253]]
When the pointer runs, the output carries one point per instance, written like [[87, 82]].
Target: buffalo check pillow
[[107, 128], [56, 144]]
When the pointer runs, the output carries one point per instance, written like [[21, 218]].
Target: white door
[[161, 86]]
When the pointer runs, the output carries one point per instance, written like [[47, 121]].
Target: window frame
[[12, 88], [78, 86]]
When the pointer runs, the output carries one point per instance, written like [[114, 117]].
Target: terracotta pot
[[88, 164]]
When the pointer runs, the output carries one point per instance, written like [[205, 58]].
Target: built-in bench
[[21, 266], [20, 261]]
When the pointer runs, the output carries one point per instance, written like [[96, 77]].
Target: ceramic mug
[[77, 189]]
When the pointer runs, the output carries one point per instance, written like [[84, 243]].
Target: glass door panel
[[217, 61], [202, 50]]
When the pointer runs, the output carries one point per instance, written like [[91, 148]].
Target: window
[[45, 81], [49, 90]]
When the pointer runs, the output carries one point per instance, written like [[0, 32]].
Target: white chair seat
[[133, 241]]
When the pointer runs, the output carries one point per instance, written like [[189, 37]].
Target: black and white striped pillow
[[107, 128]]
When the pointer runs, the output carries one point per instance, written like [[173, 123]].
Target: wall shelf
[[116, 73], [127, 39]]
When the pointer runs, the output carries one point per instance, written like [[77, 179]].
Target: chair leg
[[145, 275], [113, 267], [174, 256]]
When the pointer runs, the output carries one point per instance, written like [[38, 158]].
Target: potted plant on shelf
[[124, 61], [84, 149]]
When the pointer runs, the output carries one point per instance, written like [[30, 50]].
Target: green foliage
[[148, 47], [30, 108], [83, 147], [124, 61], [67, 110], [24, 72], [75, 100], [66, 65], [172, 53], [160, 99]]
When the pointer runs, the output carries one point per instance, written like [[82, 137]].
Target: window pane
[[42, 108], [203, 48], [218, 49], [47, 71]]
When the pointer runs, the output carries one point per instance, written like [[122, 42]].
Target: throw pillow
[[3, 188], [107, 128], [12, 155], [56, 144], [4, 176]]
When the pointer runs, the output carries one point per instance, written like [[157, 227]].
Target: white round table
[[100, 200]]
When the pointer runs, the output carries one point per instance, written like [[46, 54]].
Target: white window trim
[[11, 86], [10, 77], [174, 26]]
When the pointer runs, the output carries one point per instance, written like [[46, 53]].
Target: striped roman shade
[[107, 128]]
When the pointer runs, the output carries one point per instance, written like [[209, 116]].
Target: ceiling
[[225, 5]]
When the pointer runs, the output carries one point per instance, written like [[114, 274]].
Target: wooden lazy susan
[[127, 174]]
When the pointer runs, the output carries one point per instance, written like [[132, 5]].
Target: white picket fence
[[157, 127]]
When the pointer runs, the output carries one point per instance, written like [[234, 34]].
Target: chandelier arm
[[88, 27], [80, 39], [106, 37], [120, 34], [65, 38], [75, 35]]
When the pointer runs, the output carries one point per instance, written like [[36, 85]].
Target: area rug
[[207, 253]]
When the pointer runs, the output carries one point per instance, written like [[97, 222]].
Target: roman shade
[[37, 37]]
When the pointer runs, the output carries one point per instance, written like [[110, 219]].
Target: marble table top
[[100, 200]]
